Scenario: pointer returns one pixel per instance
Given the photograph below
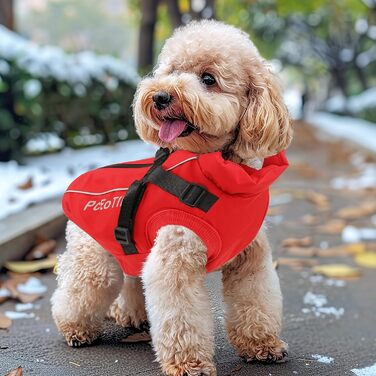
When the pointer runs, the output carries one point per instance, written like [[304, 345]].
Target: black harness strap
[[193, 195]]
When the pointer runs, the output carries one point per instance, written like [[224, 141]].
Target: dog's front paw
[[266, 353], [189, 368], [77, 335]]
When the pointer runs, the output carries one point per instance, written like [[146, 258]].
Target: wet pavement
[[330, 326]]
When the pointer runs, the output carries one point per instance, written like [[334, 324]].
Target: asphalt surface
[[349, 339]]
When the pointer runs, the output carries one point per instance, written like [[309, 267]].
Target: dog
[[210, 91]]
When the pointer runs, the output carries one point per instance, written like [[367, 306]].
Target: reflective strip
[[125, 189], [96, 193]]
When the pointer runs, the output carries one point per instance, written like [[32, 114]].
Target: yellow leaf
[[356, 248], [31, 266], [367, 259], [337, 271]]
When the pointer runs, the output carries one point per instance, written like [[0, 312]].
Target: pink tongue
[[171, 129]]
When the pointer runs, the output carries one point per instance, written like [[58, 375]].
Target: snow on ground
[[317, 302], [323, 358], [359, 131], [353, 104], [51, 174], [367, 371]]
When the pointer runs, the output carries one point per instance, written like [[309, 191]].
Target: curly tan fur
[[242, 114]]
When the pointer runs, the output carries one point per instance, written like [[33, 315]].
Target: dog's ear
[[265, 127]]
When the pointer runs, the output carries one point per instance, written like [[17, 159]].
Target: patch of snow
[[317, 303], [18, 315], [51, 174], [351, 234], [367, 371], [4, 293], [353, 104], [20, 307], [284, 198], [317, 300], [319, 279], [323, 358], [365, 179], [359, 131], [32, 286]]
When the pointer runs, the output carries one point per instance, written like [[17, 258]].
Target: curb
[[18, 231]]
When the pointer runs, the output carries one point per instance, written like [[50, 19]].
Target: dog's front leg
[[254, 303], [89, 279], [177, 303]]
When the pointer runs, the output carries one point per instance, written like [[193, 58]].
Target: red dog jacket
[[123, 206]]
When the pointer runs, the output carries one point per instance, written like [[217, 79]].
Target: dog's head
[[212, 91]]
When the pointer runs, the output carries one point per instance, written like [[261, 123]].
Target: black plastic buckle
[[192, 195], [123, 235]]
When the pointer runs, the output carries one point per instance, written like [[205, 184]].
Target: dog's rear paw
[[194, 368], [126, 317], [268, 354]]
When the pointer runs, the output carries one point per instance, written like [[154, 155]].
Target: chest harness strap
[[190, 194]]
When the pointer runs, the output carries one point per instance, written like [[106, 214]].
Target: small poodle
[[210, 91]]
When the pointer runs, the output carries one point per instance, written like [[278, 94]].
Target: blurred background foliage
[[324, 48]]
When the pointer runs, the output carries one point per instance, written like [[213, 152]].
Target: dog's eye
[[208, 79]]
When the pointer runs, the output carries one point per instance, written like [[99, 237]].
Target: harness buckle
[[192, 195], [123, 235]]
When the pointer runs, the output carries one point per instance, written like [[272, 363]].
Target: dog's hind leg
[[177, 303], [254, 303], [89, 279], [128, 309]]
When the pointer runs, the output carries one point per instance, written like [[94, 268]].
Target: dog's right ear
[[265, 127]]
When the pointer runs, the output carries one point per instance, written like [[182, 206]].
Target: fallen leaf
[[31, 266], [353, 212], [137, 337], [27, 185], [297, 242], [342, 250], [15, 372], [367, 259], [276, 210], [11, 286], [337, 271], [310, 219], [333, 226], [275, 264], [303, 252], [5, 322], [318, 199], [304, 169], [41, 250], [297, 261]]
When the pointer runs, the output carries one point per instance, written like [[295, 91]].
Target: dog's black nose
[[161, 99]]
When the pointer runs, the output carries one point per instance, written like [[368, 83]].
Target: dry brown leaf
[[5, 322], [342, 250], [15, 372], [318, 199], [310, 219], [11, 286], [27, 185], [337, 271], [137, 337], [333, 226], [275, 264], [275, 210], [367, 259], [297, 261], [41, 250], [297, 242], [353, 212], [304, 169], [303, 252]]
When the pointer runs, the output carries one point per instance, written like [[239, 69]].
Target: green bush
[[82, 98]]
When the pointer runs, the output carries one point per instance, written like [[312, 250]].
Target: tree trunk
[[6, 14], [146, 37], [174, 12]]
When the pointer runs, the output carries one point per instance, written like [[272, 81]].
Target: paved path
[[350, 339]]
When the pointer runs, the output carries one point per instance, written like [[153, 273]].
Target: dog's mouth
[[172, 128]]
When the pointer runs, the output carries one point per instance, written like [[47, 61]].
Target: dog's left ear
[[265, 127]]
